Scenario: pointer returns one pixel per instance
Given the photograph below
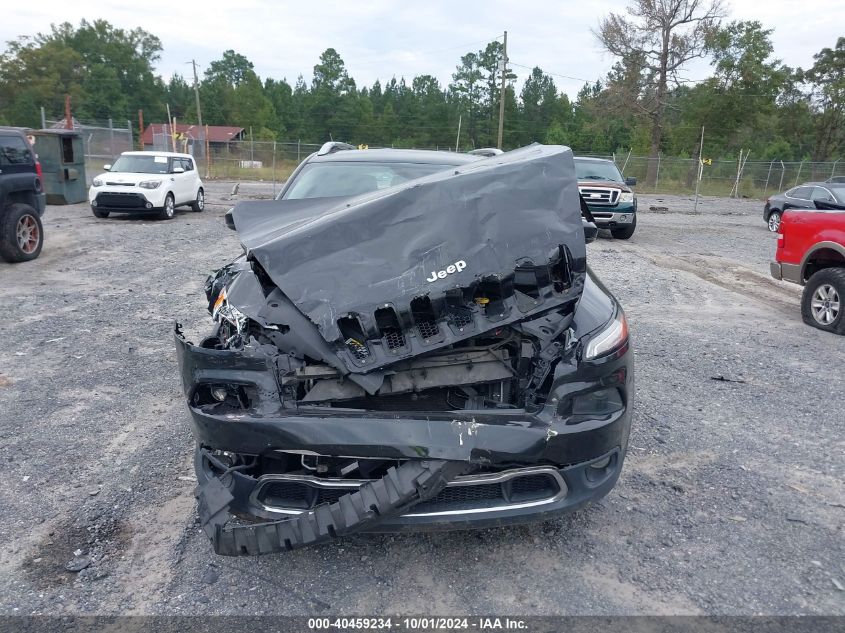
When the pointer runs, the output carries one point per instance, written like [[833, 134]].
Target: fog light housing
[[624, 218], [149, 205], [219, 393], [93, 203]]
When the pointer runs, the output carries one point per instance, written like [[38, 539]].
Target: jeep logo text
[[457, 267]]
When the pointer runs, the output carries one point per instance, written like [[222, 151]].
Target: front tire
[[774, 221], [823, 300], [199, 204], [21, 233], [169, 209], [625, 233], [98, 213]]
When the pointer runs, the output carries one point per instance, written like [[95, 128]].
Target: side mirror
[[107, 167], [591, 231], [178, 170], [229, 219], [631, 181]]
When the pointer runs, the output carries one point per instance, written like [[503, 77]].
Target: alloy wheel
[[774, 222], [825, 304], [28, 234]]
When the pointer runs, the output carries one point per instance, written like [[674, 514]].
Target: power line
[[551, 73]]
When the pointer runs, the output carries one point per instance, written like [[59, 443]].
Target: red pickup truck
[[811, 252]]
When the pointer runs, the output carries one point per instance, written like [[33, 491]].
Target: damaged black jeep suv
[[428, 353]]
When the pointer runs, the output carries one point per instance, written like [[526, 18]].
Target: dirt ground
[[731, 501]]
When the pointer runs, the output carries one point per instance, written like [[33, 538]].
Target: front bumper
[[458, 507], [128, 201], [583, 459], [622, 214]]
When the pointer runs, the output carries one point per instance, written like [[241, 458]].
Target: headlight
[[149, 184], [611, 337], [97, 182], [626, 196], [224, 310]]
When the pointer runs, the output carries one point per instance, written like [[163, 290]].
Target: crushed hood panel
[[464, 239]]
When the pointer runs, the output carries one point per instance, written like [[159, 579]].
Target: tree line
[[750, 100]]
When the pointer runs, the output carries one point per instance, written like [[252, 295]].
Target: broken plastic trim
[[399, 490]]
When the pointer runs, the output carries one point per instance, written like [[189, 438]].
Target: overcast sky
[[383, 38]]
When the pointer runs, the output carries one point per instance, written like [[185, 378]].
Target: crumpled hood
[[334, 257]]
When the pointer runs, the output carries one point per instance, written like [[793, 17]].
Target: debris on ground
[[78, 563], [721, 378]]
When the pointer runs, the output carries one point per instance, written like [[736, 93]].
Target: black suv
[[411, 340], [22, 198]]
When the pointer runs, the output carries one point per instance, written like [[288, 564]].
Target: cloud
[[381, 39]]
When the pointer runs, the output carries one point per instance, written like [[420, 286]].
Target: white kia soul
[[147, 182]]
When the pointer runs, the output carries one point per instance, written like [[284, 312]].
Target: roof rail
[[486, 151], [333, 146]]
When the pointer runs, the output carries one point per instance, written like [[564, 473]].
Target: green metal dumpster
[[63, 162]]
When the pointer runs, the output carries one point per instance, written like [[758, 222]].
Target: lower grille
[[291, 494], [121, 200], [531, 487]]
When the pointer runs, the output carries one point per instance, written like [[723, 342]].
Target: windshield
[[337, 178], [597, 170], [141, 165]]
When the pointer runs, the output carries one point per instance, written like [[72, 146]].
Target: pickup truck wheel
[[21, 233], [625, 233], [774, 221], [199, 204], [823, 301]]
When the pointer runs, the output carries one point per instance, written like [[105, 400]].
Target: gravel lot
[[731, 501]]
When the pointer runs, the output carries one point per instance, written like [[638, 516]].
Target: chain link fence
[[751, 179], [273, 161], [102, 142], [239, 160]]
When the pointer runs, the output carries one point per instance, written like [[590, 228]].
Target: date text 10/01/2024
[[418, 623]]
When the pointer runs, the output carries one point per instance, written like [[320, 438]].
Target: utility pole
[[172, 129], [197, 95], [504, 63], [700, 168], [141, 128], [458, 139], [68, 115]]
